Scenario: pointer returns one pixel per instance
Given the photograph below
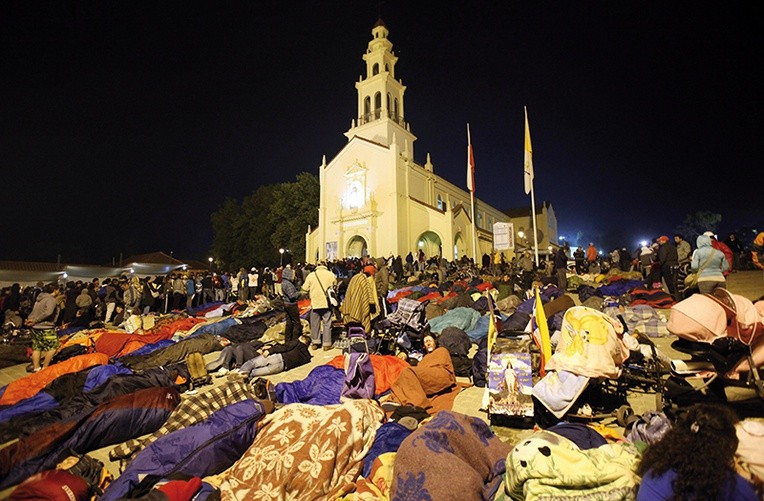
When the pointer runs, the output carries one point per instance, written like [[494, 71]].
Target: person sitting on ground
[[278, 358], [81, 318], [695, 459], [119, 314], [42, 320], [430, 385]]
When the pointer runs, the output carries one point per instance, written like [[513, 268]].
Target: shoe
[[221, 372], [315, 346], [327, 348], [30, 368], [409, 422]]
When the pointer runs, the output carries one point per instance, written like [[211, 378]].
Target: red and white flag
[[470, 163]]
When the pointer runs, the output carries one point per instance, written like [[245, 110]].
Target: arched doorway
[[357, 247], [460, 248], [430, 244]]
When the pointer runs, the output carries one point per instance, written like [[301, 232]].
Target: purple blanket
[[323, 386]]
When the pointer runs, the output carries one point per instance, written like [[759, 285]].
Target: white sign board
[[503, 236]]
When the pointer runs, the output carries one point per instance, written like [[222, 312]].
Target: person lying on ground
[[278, 358]]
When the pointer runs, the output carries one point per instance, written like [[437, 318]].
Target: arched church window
[[366, 108], [375, 69], [387, 67], [440, 203], [480, 220], [377, 104], [395, 108], [389, 103]]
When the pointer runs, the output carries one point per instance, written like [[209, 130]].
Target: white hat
[[253, 269], [709, 234]]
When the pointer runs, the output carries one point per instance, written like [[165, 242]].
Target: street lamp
[[281, 258], [210, 260]]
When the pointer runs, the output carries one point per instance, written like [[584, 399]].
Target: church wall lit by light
[[375, 199]]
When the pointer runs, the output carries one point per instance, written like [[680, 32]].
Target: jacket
[[44, 312], [714, 262], [316, 284]]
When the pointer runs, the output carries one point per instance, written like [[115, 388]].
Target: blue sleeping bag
[[322, 386], [204, 449]]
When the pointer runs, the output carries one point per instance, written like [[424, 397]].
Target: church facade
[[375, 198]]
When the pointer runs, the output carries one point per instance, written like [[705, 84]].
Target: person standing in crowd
[[382, 279], [591, 254], [290, 295], [84, 300], [110, 298], [130, 296], [253, 281], [561, 267], [710, 265], [737, 250], [190, 290], [683, 249], [721, 247], [645, 260], [580, 257], [361, 298], [695, 459], [148, 295], [668, 260], [315, 285], [207, 289], [267, 281], [757, 251], [42, 321], [178, 292]]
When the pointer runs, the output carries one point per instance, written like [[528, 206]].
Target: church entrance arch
[[357, 247], [430, 244]]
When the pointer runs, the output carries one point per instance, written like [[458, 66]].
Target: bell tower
[[381, 115]]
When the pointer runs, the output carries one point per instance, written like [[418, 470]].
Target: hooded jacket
[[713, 262], [44, 312]]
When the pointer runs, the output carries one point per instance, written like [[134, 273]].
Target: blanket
[[387, 369], [549, 466], [463, 318], [641, 318], [453, 456], [30, 385], [322, 386], [192, 410], [305, 452], [430, 385], [590, 345]]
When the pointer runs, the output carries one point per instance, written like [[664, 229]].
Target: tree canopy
[[251, 232]]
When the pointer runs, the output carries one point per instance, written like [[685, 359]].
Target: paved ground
[[749, 284]]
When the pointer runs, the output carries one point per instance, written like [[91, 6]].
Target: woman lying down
[[255, 359]]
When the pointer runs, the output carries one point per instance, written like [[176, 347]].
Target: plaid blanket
[[641, 318], [305, 452], [191, 410]]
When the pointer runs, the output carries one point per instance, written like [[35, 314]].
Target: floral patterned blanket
[[305, 452]]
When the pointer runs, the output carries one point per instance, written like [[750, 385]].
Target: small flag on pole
[[528, 163], [470, 163], [540, 332]]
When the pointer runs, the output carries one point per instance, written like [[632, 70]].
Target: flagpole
[[471, 186], [535, 233]]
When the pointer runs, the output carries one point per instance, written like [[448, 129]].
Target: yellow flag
[[528, 157], [542, 330]]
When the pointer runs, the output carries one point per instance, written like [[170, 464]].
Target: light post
[[281, 259], [210, 260]]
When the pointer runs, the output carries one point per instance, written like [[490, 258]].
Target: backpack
[[649, 427], [197, 370], [331, 297], [359, 376]]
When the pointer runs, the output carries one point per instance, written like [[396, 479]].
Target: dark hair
[[699, 448], [50, 288]]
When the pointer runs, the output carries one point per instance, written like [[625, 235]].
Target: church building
[[375, 198]]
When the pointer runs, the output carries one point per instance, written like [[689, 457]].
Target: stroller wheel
[[622, 415]]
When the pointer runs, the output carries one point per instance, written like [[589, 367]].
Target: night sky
[[124, 125]]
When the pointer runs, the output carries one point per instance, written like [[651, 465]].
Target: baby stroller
[[584, 379], [404, 328], [724, 335]]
